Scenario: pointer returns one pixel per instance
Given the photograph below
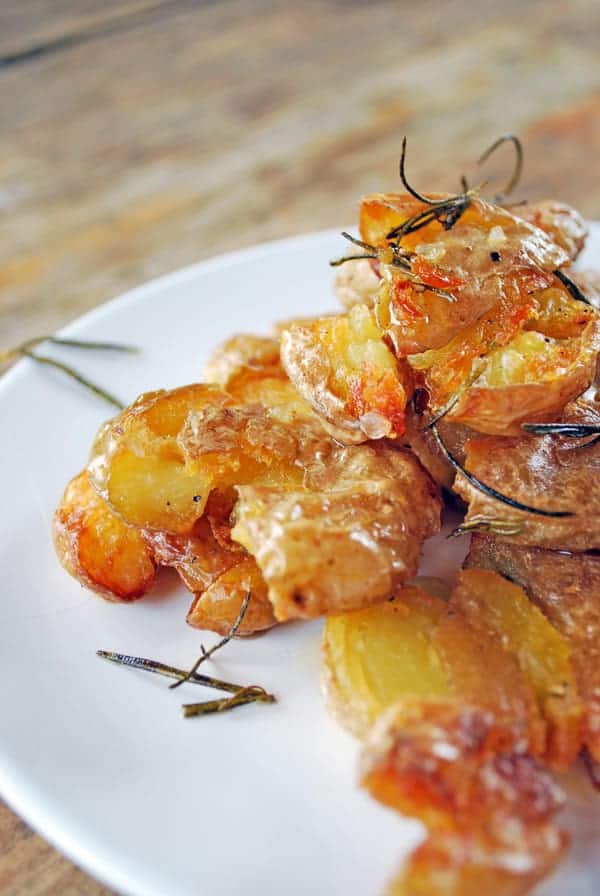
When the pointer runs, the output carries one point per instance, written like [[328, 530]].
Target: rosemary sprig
[[488, 489], [208, 653], [517, 170], [146, 665], [398, 258], [26, 350], [572, 287], [501, 527], [251, 694], [77, 376]]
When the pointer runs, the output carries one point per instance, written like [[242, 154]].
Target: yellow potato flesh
[[378, 655], [492, 604]]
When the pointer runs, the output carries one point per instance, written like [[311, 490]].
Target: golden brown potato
[[492, 605], [566, 587], [531, 379], [356, 283], [551, 473], [420, 645], [374, 657], [344, 369], [489, 808], [347, 538], [330, 527], [97, 548], [488, 257], [240, 354], [563, 224], [218, 607]]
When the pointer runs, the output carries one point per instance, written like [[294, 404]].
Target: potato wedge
[[349, 376], [566, 587], [97, 548]]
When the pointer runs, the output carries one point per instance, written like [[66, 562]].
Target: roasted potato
[[344, 369], [488, 256], [493, 605], [218, 607], [530, 379], [330, 527], [97, 548], [242, 354], [489, 808], [563, 224], [347, 538], [566, 587], [555, 474], [418, 645]]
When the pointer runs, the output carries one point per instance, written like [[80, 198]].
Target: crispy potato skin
[[330, 527], [218, 607], [489, 808], [460, 261], [563, 224], [348, 538], [347, 373], [566, 587], [550, 384], [97, 548], [242, 354], [547, 472], [422, 443]]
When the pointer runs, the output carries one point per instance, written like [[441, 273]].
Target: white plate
[[98, 758]]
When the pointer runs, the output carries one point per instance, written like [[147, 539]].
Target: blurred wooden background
[[139, 136]]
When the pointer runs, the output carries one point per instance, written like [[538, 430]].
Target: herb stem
[[208, 653], [250, 694], [75, 375], [146, 665]]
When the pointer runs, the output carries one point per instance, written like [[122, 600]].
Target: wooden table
[[139, 136]]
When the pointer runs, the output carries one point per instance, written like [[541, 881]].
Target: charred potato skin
[[98, 549]]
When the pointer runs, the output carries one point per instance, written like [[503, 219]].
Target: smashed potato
[[487, 646], [489, 808], [96, 547], [329, 527], [566, 587], [493, 605], [344, 369], [345, 540], [551, 473], [218, 607], [530, 379]]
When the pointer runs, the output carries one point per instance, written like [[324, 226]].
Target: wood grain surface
[[139, 136]]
